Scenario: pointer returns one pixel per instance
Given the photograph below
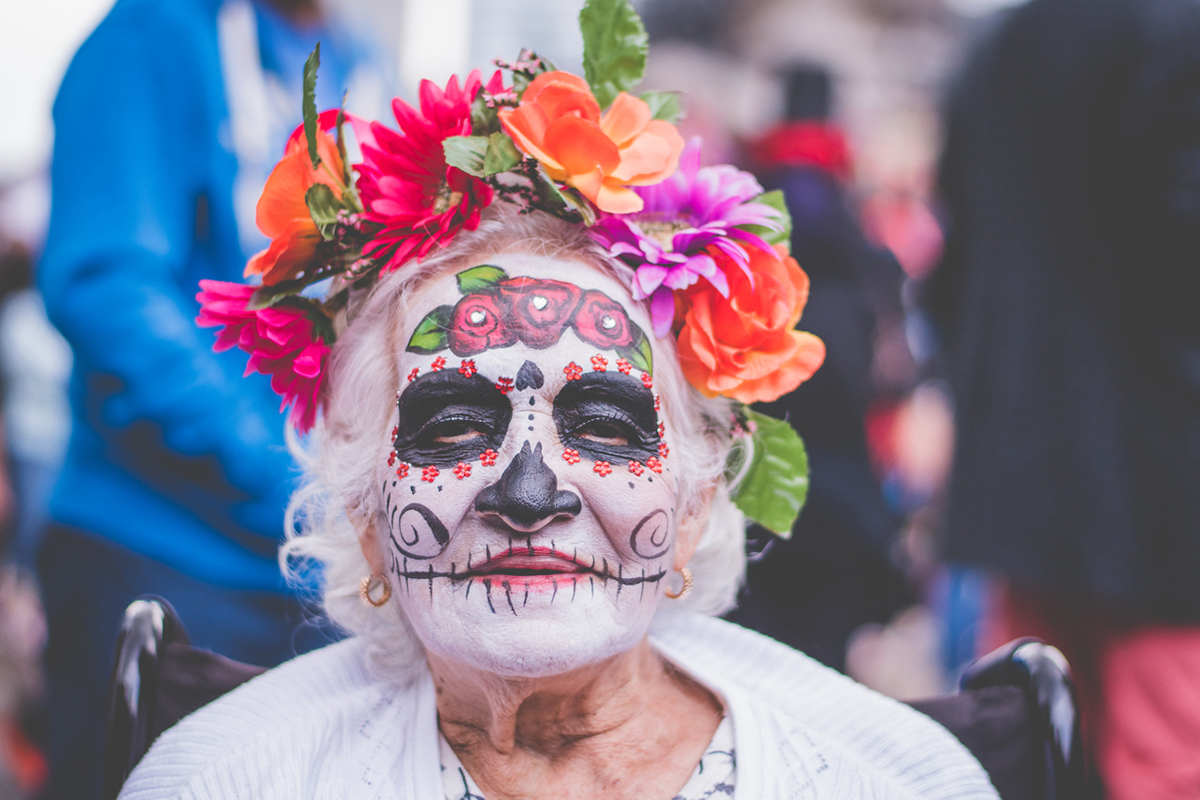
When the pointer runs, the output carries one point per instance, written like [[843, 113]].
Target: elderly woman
[[520, 481]]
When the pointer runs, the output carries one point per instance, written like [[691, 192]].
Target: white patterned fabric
[[324, 726]]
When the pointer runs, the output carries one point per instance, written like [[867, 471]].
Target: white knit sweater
[[323, 726]]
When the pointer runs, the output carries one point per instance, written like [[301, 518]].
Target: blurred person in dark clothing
[[835, 573], [176, 475], [1068, 296]]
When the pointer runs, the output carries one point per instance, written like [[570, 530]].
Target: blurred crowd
[[998, 205]]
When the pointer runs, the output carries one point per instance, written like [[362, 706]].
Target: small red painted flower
[[636, 468], [654, 464], [624, 366], [663, 450], [571, 456], [647, 381], [657, 403], [488, 457], [602, 468], [392, 459], [662, 429], [467, 368], [504, 385], [402, 470], [429, 474], [462, 470], [395, 432], [573, 371], [438, 364], [412, 376], [599, 363]]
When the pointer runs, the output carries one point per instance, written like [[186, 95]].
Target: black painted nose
[[527, 496]]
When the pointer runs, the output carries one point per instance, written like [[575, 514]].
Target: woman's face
[[529, 517]]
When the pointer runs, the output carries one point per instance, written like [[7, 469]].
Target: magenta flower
[[282, 342], [695, 209]]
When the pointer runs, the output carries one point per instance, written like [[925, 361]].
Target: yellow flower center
[[662, 231], [444, 199]]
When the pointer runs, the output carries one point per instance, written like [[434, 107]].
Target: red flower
[[571, 456], [539, 310], [392, 459], [662, 429], [636, 468], [599, 363], [395, 431], [402, 470], [429, 474], [573, 371], [654, 464], [282, 342], [438, 364], [488, 457], [477, 324], [624, 366], [657, 403], [418, 201], [602, 468], [647, 381], [504, 385], [603, 322], [663, 450], [462, 470], [412, 376], [467, 368]]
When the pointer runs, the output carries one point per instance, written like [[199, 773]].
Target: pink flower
[[417, 201], [282, 342]]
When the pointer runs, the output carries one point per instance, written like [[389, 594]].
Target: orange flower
[[283, 215], [746, 346], [559, 123]]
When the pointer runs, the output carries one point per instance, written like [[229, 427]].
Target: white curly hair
[[343, 458]]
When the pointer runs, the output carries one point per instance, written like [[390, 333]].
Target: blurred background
[[838, 102]]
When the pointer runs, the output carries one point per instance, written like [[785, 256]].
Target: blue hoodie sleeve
[[134, 140]]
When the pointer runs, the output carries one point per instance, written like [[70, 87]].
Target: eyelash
[[627, 429], [428, 435]]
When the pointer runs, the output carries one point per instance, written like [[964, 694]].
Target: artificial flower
[[745, 345], [282, 342], [559, 123], [539, 310], [695, 209], [283, 214], [417, 201]]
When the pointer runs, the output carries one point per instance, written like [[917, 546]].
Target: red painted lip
[[529, 562]]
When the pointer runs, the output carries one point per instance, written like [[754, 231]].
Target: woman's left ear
[[368, 540], [691, 528]]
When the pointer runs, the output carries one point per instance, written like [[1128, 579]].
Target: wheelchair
[[1015, 710]]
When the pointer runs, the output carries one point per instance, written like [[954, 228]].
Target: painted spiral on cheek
[[649, 537], [421, 534]]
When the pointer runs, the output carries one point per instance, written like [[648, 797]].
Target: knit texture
[[324, 726]]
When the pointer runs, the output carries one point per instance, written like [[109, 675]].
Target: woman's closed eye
[[605, 431], [454, 431]]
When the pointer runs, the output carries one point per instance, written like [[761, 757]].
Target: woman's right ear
[[368, 540]]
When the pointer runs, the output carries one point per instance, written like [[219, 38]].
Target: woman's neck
[[597, 721]]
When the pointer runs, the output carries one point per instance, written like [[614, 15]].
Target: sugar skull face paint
[[529, 509]]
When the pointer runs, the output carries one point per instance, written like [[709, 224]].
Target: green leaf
[[477, 279], [523, 77], [430, 336], [639, 354], [614, 47], [502, 154], [467, 153], [323, 207], [484, 119], [309, 103], [774, 200], [667, 106], [774, 489]]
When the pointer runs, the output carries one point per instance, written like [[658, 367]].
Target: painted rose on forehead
[[498, 311]]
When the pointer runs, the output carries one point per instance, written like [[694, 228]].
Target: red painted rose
[[603, 322], [541, 310], [477, 324]]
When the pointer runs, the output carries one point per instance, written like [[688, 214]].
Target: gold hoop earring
[[687, 586], [364, 590]]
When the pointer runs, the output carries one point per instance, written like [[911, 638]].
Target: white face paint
[[530, 516]]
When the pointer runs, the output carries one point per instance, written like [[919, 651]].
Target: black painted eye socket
[[446, 417]]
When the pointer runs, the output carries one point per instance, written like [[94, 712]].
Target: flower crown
[[708, 247]]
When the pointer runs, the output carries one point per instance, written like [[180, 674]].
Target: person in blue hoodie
[[177, 475]]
